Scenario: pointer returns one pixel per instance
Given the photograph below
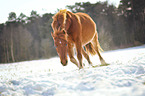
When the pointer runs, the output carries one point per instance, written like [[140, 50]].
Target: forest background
[[27, 38]]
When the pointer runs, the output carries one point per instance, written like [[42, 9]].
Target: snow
[[125, 76]]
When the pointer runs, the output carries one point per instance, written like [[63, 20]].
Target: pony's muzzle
[[64, 63]]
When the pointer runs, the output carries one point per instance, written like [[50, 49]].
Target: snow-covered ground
[[125, 76]]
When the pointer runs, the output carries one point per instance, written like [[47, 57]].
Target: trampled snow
[[125, 76]]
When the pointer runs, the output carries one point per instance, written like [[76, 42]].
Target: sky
[[41, 6]]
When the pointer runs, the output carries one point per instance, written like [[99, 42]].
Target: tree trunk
[[12, 51]]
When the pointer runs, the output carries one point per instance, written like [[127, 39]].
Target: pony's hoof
[[80, 67]]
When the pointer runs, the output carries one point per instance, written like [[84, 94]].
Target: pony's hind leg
[[86, 56], [96, 46], [100, 57]]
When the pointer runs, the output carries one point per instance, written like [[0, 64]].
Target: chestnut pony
[[75, 30]]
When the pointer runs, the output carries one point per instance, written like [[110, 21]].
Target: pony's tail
[[94, 46], [97, 44], [90, 49], [100, 48]]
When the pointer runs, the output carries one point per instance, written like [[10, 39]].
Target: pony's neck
[[68, 20]]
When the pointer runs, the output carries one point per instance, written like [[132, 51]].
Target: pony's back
[[88, 27]]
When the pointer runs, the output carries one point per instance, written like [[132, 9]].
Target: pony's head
[[60, 42]]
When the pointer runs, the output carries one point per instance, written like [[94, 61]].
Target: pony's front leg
[[79, 53], [71, 54]]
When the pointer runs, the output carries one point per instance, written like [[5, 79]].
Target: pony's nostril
[[61, 63]]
